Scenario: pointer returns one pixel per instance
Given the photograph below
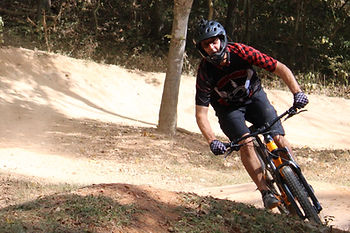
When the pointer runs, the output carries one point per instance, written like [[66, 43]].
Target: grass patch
[[66, 213], [16, 190], [208, 214]]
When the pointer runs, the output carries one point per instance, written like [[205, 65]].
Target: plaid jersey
[[217, 85]]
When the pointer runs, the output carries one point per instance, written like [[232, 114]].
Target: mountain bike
[[281, 172]]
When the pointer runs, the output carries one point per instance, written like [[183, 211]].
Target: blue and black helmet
[[206, 30]]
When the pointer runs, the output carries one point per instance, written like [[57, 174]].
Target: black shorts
[[258, 110]]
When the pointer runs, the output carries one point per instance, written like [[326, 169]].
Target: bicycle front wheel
[[300, 194]]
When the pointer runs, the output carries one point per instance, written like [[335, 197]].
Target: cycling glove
[[300, 100], [217, 147]]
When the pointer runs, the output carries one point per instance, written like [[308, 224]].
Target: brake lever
[[228, 152], [294, 112], [231, 148]]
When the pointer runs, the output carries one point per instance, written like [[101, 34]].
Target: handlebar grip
[[232, 146]]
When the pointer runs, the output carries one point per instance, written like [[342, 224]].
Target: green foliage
[[310, 36], [340, 67]]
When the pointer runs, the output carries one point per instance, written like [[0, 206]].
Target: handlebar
[[235, 145]]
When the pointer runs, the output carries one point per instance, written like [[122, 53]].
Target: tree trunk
[[168, 109], [247, 9], [42, 5], [296, 36], [232, 6], [157, 21], [211, 9]]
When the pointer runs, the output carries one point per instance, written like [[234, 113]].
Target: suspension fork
[[275, 158]]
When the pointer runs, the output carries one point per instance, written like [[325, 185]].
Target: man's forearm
[[287, 76], [204, 124], [206, 130]]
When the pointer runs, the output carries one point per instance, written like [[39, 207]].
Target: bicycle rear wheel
[[300, 194]]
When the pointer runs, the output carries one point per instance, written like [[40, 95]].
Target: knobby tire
[[298, 191]]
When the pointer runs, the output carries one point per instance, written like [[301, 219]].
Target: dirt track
[[39, 91]]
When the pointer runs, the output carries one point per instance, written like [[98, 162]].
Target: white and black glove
[[217, 147], [300, 100]]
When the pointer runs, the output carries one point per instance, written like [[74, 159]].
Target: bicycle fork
[[286, 195], [277, 161]]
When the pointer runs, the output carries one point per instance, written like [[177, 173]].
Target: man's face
[[211, 45]]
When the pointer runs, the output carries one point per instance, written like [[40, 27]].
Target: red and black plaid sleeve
[[254, 56]]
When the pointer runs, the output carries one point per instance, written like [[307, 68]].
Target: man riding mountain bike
[[227, 81]]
